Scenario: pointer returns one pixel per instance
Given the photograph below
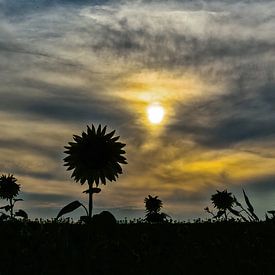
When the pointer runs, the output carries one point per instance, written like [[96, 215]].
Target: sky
[[210, 65]]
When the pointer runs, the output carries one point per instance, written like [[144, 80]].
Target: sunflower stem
[[225, 214], [11, 209], [90, 201]]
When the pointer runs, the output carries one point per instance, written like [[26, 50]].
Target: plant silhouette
[[94, 157], [223, 201], [153, 206], [227, 203], [272, 212], [9, 189]]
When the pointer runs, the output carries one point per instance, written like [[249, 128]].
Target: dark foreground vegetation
[[137, 248]]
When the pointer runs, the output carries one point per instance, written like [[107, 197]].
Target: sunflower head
[[95, 156], [153, 204], [8, 187], [222, 200]]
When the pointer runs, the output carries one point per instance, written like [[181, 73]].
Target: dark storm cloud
[[226, 120]]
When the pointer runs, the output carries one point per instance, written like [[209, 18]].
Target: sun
[[155, 113]]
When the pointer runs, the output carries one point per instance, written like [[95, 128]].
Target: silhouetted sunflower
[[222, 200], [8, 187], [152, 204], [95, 156]]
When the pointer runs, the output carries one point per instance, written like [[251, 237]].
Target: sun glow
[[155, 113]]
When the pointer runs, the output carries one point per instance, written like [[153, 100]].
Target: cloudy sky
[[209, 64]]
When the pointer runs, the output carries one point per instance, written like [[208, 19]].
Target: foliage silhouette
[[71, 207], [226, 203], [250, 208], [63, 247], [104, 222], [9, 189], [272, 218], [223, 201], [153, 206], [21, 213], [94, 157]]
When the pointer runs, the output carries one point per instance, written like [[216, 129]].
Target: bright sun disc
[[155, 113]]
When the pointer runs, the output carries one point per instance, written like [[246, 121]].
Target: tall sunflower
[[94, 157]]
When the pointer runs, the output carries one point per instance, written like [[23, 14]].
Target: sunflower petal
[[98, 132], [109, 135], [103, 131]]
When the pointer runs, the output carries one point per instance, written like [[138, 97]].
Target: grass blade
[[250, 207]]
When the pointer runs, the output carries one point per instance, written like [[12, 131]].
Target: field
[[138, 248]]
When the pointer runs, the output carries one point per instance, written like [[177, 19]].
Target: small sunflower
[[152, 204], [8, 187], [222, 200], [95, 156]]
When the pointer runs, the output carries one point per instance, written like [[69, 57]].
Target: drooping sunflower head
[[8, 187], [222, 200], [95, 156]]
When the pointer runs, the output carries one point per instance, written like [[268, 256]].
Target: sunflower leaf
[[272, 212], [68, 208], [93, 190], [5, 207], [21, 213], [220, 213], [3, 217], [237, 202], [16, 200], [233, 211], [250, 207]]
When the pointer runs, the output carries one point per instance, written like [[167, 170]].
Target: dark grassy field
[[186, 248]]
